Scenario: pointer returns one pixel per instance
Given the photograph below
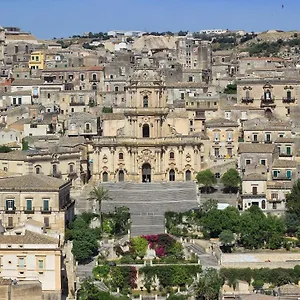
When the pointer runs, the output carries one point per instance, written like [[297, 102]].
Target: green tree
[[226, 237], [140, 245], [5, 149], [293, 199], [207, 287], [98, 195], [231, 180], [25, 145], [207, 179], [230, 89], [209, 205]]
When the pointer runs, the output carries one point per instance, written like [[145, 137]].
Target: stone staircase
[[147, 202]]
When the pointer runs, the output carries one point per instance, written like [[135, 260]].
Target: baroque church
[[147, 140]]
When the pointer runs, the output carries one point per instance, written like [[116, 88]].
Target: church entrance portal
[[146, 173]]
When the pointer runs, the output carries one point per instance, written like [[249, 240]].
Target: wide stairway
[[147, 202]]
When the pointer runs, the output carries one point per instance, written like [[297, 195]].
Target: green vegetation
[[207, 179], [107, 110], [85, 239], [259, 277], [25, 145], [230, 89], [5, 149], [231, 181], [89, 291], [170, 276], [97, 195], [253, 228], [140, 246], [208, 285], [122, 277]]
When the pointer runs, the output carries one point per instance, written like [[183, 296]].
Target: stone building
[[38, 197], [147, 141]]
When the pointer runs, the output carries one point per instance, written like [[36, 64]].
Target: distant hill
[[154, 42]]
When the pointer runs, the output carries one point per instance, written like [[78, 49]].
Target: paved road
[[206, 260]]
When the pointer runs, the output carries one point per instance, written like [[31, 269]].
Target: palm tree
[[97, 195]]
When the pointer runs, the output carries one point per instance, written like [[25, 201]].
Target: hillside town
[[147, 165]]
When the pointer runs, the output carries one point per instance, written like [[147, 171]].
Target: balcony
[[288, 100], [10, 210], [94, 80], [285, 154], [267, 102], [77, 104], [246, 195], [45, 210], [247, 100]]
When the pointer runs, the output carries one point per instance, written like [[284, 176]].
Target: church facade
[[146, 140]]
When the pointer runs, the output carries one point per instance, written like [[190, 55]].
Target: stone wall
[[260, 260]]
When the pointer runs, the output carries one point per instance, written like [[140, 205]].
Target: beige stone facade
[[40, 198], [146, 140]]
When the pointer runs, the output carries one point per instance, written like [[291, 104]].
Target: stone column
[[112, 152]]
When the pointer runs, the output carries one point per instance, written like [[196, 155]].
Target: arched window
[[38, 169], [94, 77], [94, 87], [172, 175], [263, 204], [116, 88], [121, 176], [82, 77], [146, 101], [146, 131], [188, 175], [104, 177], [172, 155], [121, 156]]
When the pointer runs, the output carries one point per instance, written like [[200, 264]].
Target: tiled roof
[[284, 163], [279, 184], [221, 122], [74, 69], [256, 148], [285, 140], [32, 182], [255, 177], [28, 238], [30, 82], [14, 155], [113, 116]]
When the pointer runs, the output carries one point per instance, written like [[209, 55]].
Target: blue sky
[[62, 18]]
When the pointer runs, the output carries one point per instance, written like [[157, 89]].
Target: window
[[116, 88], [81, 77], [190, 78], [188, 175], [191, 122], [289, 95], [10, 204], [263, 162], [182, 96], [229, 136], [94, 77], [217, 152], [227, 115], [263, 204], [46, 222], [274, 205], [254, 190], [288, 150], [14, 101], [38, 169], [145, 101], [40, 264], [29, 204], [146, 131], [172, 175], [104, 177], [217, 136], [267, 95], [281, 135], [45, 204], [274, 196], [94, 87], [21, 262], [10, 222], [121, 156], [289, 174], [255, 138], [247, 94], [36, 58], [229, 152], [248, 161], [268, 137], [275, 173], [54, 169], [172, 155], [87, 126]]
